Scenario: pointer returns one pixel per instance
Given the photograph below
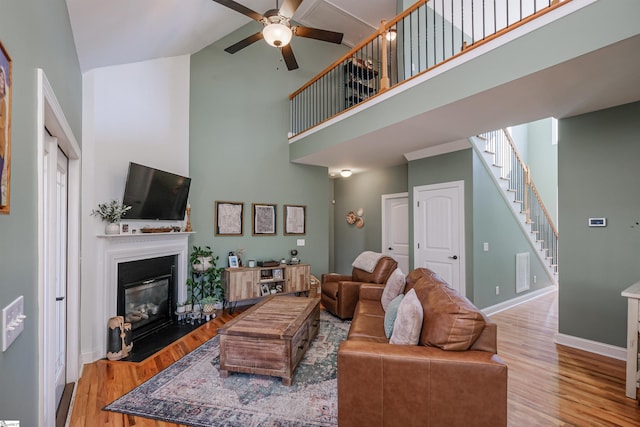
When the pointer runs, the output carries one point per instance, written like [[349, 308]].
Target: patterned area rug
[[191, 391]]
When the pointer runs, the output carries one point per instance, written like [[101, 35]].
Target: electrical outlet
[[497, 290], [12, 322]]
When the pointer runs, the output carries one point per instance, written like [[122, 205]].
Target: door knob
[[454, 257], [390, 249]]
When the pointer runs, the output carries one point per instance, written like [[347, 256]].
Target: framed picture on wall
[[264, 219], [5, 128], [228, 220], [295, 217]]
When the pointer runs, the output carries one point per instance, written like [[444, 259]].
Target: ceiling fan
[[278, 30]]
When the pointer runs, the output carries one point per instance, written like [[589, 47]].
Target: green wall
[[37, 34], [456, 166], [363, 190], [543, 163], [239, 151], [598, 177]]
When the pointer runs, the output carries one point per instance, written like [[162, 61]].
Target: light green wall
[[456, 166], [37, 34], [543, 163], [598, 177], [495, 224], [239, 151], [363, 190]]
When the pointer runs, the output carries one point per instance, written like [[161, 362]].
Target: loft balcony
[[456, 69]]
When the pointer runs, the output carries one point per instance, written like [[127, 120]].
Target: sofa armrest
[[348, 292], [384, 384], [371, 291], [331, 277]]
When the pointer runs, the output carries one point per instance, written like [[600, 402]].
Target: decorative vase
[[112, 228]]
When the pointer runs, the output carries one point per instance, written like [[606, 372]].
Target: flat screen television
[[155, 194]]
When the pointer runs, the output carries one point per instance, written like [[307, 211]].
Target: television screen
[[155, 194]]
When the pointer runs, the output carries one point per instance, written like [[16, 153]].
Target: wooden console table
[[632, 293], [248, 283], [270, 338]]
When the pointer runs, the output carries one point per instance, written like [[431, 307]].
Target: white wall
[[135, 112]]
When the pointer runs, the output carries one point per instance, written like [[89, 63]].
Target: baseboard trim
[[505, 305], [596, 347]]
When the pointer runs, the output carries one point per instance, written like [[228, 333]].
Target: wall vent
[[522, 272]]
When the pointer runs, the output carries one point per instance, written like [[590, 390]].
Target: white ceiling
[[124, 31]]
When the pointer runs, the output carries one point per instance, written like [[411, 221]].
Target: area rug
[[191, 391]]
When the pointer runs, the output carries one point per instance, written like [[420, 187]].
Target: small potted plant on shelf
[[111, 213], [208, 303]]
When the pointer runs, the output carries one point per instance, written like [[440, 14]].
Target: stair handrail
[[534, 189]]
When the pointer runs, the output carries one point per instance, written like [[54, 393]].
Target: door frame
[[50, 115], [459, 185], [383, 218]]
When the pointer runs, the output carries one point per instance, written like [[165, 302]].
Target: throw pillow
[[408, 324], [390, 315], [393, 288]]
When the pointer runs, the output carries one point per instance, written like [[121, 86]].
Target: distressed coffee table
[[270, 338]]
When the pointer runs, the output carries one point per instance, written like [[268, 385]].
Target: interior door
[[439, 231], [55, 254], [395, 228]]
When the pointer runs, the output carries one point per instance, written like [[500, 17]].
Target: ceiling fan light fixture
[[345, 173], [277, 34]]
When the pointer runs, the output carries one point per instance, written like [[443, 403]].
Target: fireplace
[[146, 293]]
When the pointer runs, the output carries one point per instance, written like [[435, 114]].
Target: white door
[[55, 254], [439, 231], [395, 228]]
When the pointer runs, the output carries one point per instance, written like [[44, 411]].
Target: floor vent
[[522, 272]]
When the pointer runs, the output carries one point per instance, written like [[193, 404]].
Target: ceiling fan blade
[[315, 33], [289, 7], [244, 43], [289, 57], [241, 9]]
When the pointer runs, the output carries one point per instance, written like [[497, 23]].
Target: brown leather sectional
[[453, 377]]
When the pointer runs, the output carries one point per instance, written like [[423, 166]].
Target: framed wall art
[[5, 128], [295, 217], [228, 221], [264, 219]]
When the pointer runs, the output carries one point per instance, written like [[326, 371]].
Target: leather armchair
[[339, 292]]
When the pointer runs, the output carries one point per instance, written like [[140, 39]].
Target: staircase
[[501, 158]]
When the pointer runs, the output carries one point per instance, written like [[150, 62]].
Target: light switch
[[485, 247], [300, 242], [12, 322]]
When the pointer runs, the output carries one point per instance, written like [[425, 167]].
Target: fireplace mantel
[[119, 248]]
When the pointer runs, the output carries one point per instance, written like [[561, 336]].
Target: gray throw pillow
[[390, 315]]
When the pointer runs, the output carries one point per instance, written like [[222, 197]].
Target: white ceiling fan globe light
[[345, 173], [277, 35]]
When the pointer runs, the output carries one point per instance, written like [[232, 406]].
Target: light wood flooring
[[549, 384]]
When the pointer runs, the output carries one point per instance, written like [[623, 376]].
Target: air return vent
[[522, 272]]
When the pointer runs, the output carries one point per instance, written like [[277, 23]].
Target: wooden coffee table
[[270, 338]]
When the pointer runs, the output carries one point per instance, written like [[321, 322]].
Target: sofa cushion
[[451, 322], [408, 324], [383, 269], [391, 314], [393, 288], [367, 328]]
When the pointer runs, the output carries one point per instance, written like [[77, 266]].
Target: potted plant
[[111, 213], [208, 303], [201, 258], [180, 307]]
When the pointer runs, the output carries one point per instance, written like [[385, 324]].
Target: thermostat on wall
[[597, 222]]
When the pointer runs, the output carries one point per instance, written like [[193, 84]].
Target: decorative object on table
[[252, 263], [191, 392], [6, 94], [240, 253], [263, 219], [111, 213], [233, 261], [228, 220], [294, 257], [355, 218], [294, 220], [187, 227]]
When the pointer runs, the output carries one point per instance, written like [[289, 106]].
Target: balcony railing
[[429, 33]]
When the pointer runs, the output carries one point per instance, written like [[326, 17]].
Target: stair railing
[[426, 35], [516, 173]]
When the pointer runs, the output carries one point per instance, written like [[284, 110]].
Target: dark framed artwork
[[264, 219], [5, 128], [228, 221], [295, 220]]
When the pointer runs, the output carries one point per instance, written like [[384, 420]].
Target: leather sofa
[[452, 377], [339, 292]]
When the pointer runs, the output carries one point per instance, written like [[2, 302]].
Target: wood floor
[[549, 384]]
